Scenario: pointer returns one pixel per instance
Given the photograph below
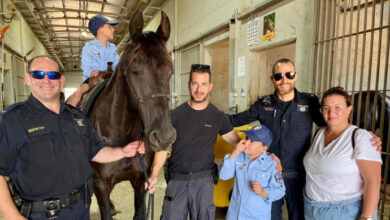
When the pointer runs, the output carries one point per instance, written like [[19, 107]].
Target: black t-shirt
[[197, 132], [46, 154]]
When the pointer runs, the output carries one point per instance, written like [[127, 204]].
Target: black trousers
[[293, 197]]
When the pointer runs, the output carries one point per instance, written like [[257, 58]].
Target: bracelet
[[367, 217]]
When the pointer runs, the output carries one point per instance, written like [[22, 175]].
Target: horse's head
[[147, 70]]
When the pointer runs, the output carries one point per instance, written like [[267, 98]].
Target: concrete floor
[[122, 197]]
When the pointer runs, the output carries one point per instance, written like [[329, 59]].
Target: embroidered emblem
[[279, 179], [31, 130], [79, 122], [303, 108]]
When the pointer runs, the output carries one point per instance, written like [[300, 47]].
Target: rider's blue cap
[[97, 21], [260, 133]]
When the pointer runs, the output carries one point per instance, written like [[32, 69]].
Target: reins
[[151, 196]]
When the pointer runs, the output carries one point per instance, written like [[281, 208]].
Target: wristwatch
[[367, 217]]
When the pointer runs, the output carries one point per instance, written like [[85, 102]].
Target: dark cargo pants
[[193, 197]]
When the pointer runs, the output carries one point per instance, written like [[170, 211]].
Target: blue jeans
[[342, 210]]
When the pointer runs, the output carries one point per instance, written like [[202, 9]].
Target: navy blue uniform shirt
[[44, 153], [291, 126]]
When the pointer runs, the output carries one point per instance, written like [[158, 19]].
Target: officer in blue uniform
[[257, 183], [45, 149], [290, 115]]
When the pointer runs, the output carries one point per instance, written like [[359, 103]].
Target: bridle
[[150, 207], [146, 98]]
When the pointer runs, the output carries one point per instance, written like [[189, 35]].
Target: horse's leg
[[139, 201], [102, 193]]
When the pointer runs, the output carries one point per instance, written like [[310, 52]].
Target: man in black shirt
[[197, 123], [290, 115], [45, 149]]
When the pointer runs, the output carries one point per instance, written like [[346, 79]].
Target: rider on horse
[[96, 54]]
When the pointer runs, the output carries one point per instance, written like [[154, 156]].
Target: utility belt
[[52, 207], [192, 175]]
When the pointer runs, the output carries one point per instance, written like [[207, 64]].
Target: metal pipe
[[349, 50], [362, 66], [315, 49], [329, 73], [355, 57]]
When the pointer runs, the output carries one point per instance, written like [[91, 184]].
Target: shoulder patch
[[266, 99], [279, 178]]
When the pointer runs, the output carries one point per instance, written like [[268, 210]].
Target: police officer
[[290, 115], [45, 149]]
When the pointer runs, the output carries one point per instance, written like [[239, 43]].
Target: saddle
[[96, 86]]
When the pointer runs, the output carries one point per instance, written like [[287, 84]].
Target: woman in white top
[[342, 180]]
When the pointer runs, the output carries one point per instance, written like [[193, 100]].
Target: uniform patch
[[80, 122], [302, 108], [31, 130], [207, 125], [97, 53], [269, 109], [279, 178]]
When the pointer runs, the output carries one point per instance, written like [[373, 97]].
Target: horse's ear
[[136, 25], [164, 30]]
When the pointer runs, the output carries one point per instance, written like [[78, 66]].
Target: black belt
[[51, 207], [290, 175], [191, 176]]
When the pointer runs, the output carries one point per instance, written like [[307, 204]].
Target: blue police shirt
[[95, 56], [246, 204]]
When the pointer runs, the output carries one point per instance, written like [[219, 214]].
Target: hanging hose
[[2, 32]]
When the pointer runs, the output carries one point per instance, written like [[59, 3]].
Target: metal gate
[[351, 49]]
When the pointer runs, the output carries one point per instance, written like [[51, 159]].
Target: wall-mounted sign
[[269, 26], [253, 30]]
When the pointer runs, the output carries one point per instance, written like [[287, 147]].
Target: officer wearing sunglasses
[[290, 115], [45, 149]]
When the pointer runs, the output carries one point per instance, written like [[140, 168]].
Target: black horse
[[374, 113], [374, 116], [134, 106]]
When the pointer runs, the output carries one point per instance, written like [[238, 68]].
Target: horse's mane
[[150, 48]]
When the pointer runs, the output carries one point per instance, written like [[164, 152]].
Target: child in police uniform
[[257, 183]]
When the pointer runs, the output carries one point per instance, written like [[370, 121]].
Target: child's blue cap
[[260, 133], [97, 21]]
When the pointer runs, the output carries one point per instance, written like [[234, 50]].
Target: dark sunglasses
[[279, 76], [38, 74], [197, 67]]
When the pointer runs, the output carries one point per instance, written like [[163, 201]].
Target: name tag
[[269, 109]]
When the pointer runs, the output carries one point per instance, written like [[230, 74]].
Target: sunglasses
[[38, 74], [198, 67], [288, 75]]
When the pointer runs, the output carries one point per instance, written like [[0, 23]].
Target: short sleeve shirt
[[197, 132], [330, 169], [44, 153], [95, 56]]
